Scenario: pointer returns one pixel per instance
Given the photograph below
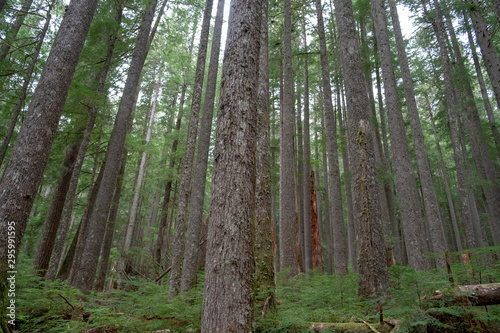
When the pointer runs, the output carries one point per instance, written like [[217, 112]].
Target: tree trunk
[[138, 184], [288, 223], [84, 279], [89, 128], [185, 187], [306, 170], [22, 94], [411, 216], [24, 172], [175, 143], [429, 196], [264, 274], [454, 221], [372, 266], [482, 85], [339, 235], [326, 197], [317, 253], [304, 233], [228, 293], [53, 217], [454, 128], [110, 228], [190, 264]]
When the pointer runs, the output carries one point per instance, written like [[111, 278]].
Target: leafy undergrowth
[[305, 304]]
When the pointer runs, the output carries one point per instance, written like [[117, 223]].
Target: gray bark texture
[[411, 215], [264, 260], [288, 216], [190, 263], [228, 293], [429, 196], [372, 267], [24, 172], [85, 276], [185, 187]]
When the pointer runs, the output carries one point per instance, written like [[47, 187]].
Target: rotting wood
[[475, 295]]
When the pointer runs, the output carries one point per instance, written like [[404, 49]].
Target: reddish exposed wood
[[315, 234]]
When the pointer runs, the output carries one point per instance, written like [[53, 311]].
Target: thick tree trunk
[[429, 196], [372, 267], [228, 293], [24, 172], [22, 94], [288, 223], [264, 256], [185, 187], [190, 263], [53, 218], [89, 128], [84, 278], [411, 215]]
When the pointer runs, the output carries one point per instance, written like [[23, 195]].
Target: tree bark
[[288, 218], [429, 196], [84, 278], [411, 216], [110, 229], [53, 217], [228, 293], [190, 263], [185, 187], [317, 253], [89, 128], [24, 172], [264, 274], [22, 94], [372, 266]]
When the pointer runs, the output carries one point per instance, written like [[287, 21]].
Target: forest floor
[[314, 303]]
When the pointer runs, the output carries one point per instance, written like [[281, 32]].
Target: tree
[[429, 196], [23, 173], [190, 264], [84, 278], [228, 292], [263, 242], [411, 216], [339, 234], [184, 191], [373, 270], [288, 210]]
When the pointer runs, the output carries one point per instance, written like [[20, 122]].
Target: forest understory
[[306, 303]]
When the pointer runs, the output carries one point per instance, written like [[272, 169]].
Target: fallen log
[[476, 295]]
